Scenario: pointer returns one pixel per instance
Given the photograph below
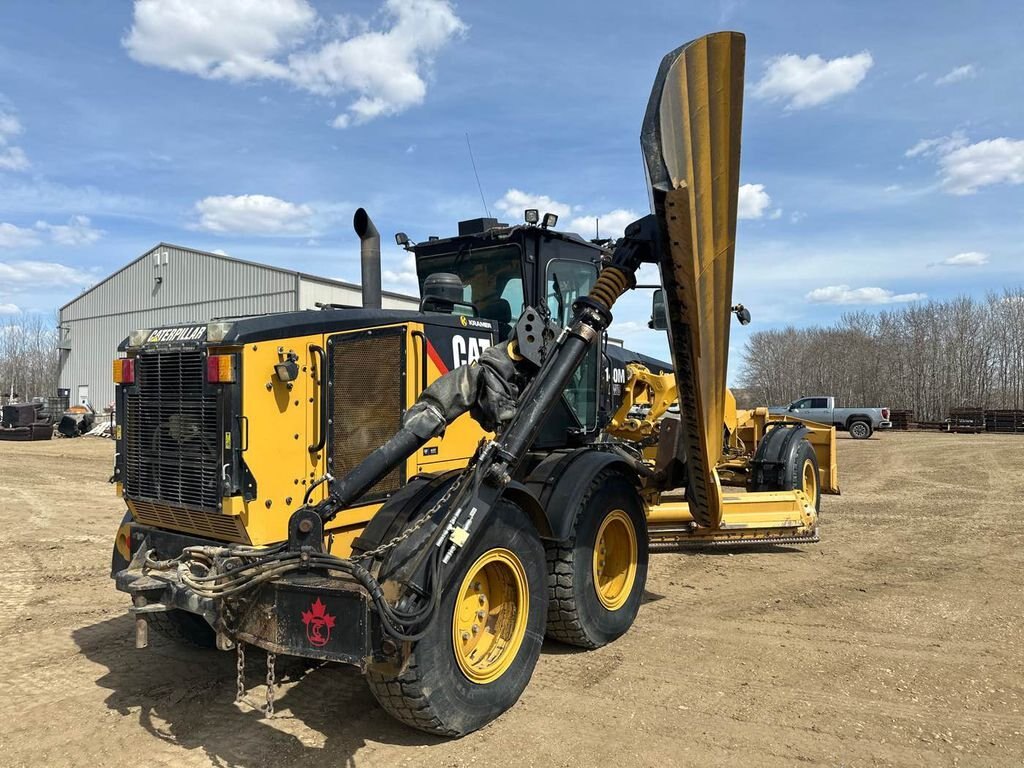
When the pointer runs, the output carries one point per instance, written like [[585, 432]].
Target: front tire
[[470, 668], [596, 579]]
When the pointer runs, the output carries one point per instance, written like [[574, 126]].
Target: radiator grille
[[367, 400], [206, 524], [171, 434]]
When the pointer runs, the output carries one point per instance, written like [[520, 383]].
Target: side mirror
[[659, 315], [742, 314]]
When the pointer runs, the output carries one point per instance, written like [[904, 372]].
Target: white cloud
[[10, 309], [995, 161], [942, 145], [966, 167], [384, 68], [611, 224], [16, 275], [958, 74], [229, 39], [78, 231], [968, 259], [515, 201], [12, 236], [404, 277], [253, 215], [12, 158], [809, 81], [753, 202], [844, 294]]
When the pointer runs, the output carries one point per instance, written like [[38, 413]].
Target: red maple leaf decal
[[317, 620]]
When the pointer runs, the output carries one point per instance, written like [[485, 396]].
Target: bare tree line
[[28, 357], [928, 358]]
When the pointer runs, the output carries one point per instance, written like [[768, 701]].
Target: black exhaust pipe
[[369, 257]]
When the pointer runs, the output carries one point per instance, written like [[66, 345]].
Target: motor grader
[[428, 495]]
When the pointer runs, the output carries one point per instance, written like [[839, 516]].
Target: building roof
[[225, 257]]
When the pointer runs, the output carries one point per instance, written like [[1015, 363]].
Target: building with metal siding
[[169, 285]]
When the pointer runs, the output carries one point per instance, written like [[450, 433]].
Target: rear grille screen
[[171, 434], [366, 400]]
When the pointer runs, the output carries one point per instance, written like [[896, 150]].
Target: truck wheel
[[596, 579], [184, 628], [860, 430], [480, 649]]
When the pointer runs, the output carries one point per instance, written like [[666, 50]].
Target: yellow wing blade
[[691, 144]]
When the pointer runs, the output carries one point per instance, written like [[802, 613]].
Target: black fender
[[393, 516], [560, 481], [774, 453]]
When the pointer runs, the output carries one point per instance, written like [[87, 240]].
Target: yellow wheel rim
[[615, 556], [810, 484], [491, 611]]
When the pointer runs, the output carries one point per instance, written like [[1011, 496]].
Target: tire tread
[[564, 622]]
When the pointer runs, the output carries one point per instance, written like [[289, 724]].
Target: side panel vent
[[367, 400]]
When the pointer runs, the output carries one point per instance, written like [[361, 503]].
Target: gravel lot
[[896, 641]]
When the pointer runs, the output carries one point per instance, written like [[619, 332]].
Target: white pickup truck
[[859, 422]]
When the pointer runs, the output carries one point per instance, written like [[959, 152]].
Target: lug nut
[[476, 628], [482, 599], [479, 614], [465, 636], [476, 585]]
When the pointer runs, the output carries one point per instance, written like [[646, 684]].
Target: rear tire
[[595, 596], [860, 429], [184, 628], [455, 683]]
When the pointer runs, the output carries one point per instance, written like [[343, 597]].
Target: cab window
[[492, 280], [565, 282]]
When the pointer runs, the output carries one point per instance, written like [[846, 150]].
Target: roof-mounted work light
[[532, 215], [550, 220]]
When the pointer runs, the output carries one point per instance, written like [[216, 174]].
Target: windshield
[[492, 280]]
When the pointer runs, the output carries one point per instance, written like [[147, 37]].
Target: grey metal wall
[[313, 290], [193, 288]]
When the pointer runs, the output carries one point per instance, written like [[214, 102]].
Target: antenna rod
[[478, 185]]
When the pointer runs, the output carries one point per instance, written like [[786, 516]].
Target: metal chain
[[383, 548], [268, 711], [240, 669]]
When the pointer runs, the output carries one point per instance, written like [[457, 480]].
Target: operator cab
[[501, 270]]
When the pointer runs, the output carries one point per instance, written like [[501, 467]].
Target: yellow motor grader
[[427, 495]]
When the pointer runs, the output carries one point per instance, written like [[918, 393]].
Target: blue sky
[[883, 156]]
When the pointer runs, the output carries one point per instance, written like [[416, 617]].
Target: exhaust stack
[[369, 258]]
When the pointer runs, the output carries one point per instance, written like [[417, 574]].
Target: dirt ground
[[896, 641]]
